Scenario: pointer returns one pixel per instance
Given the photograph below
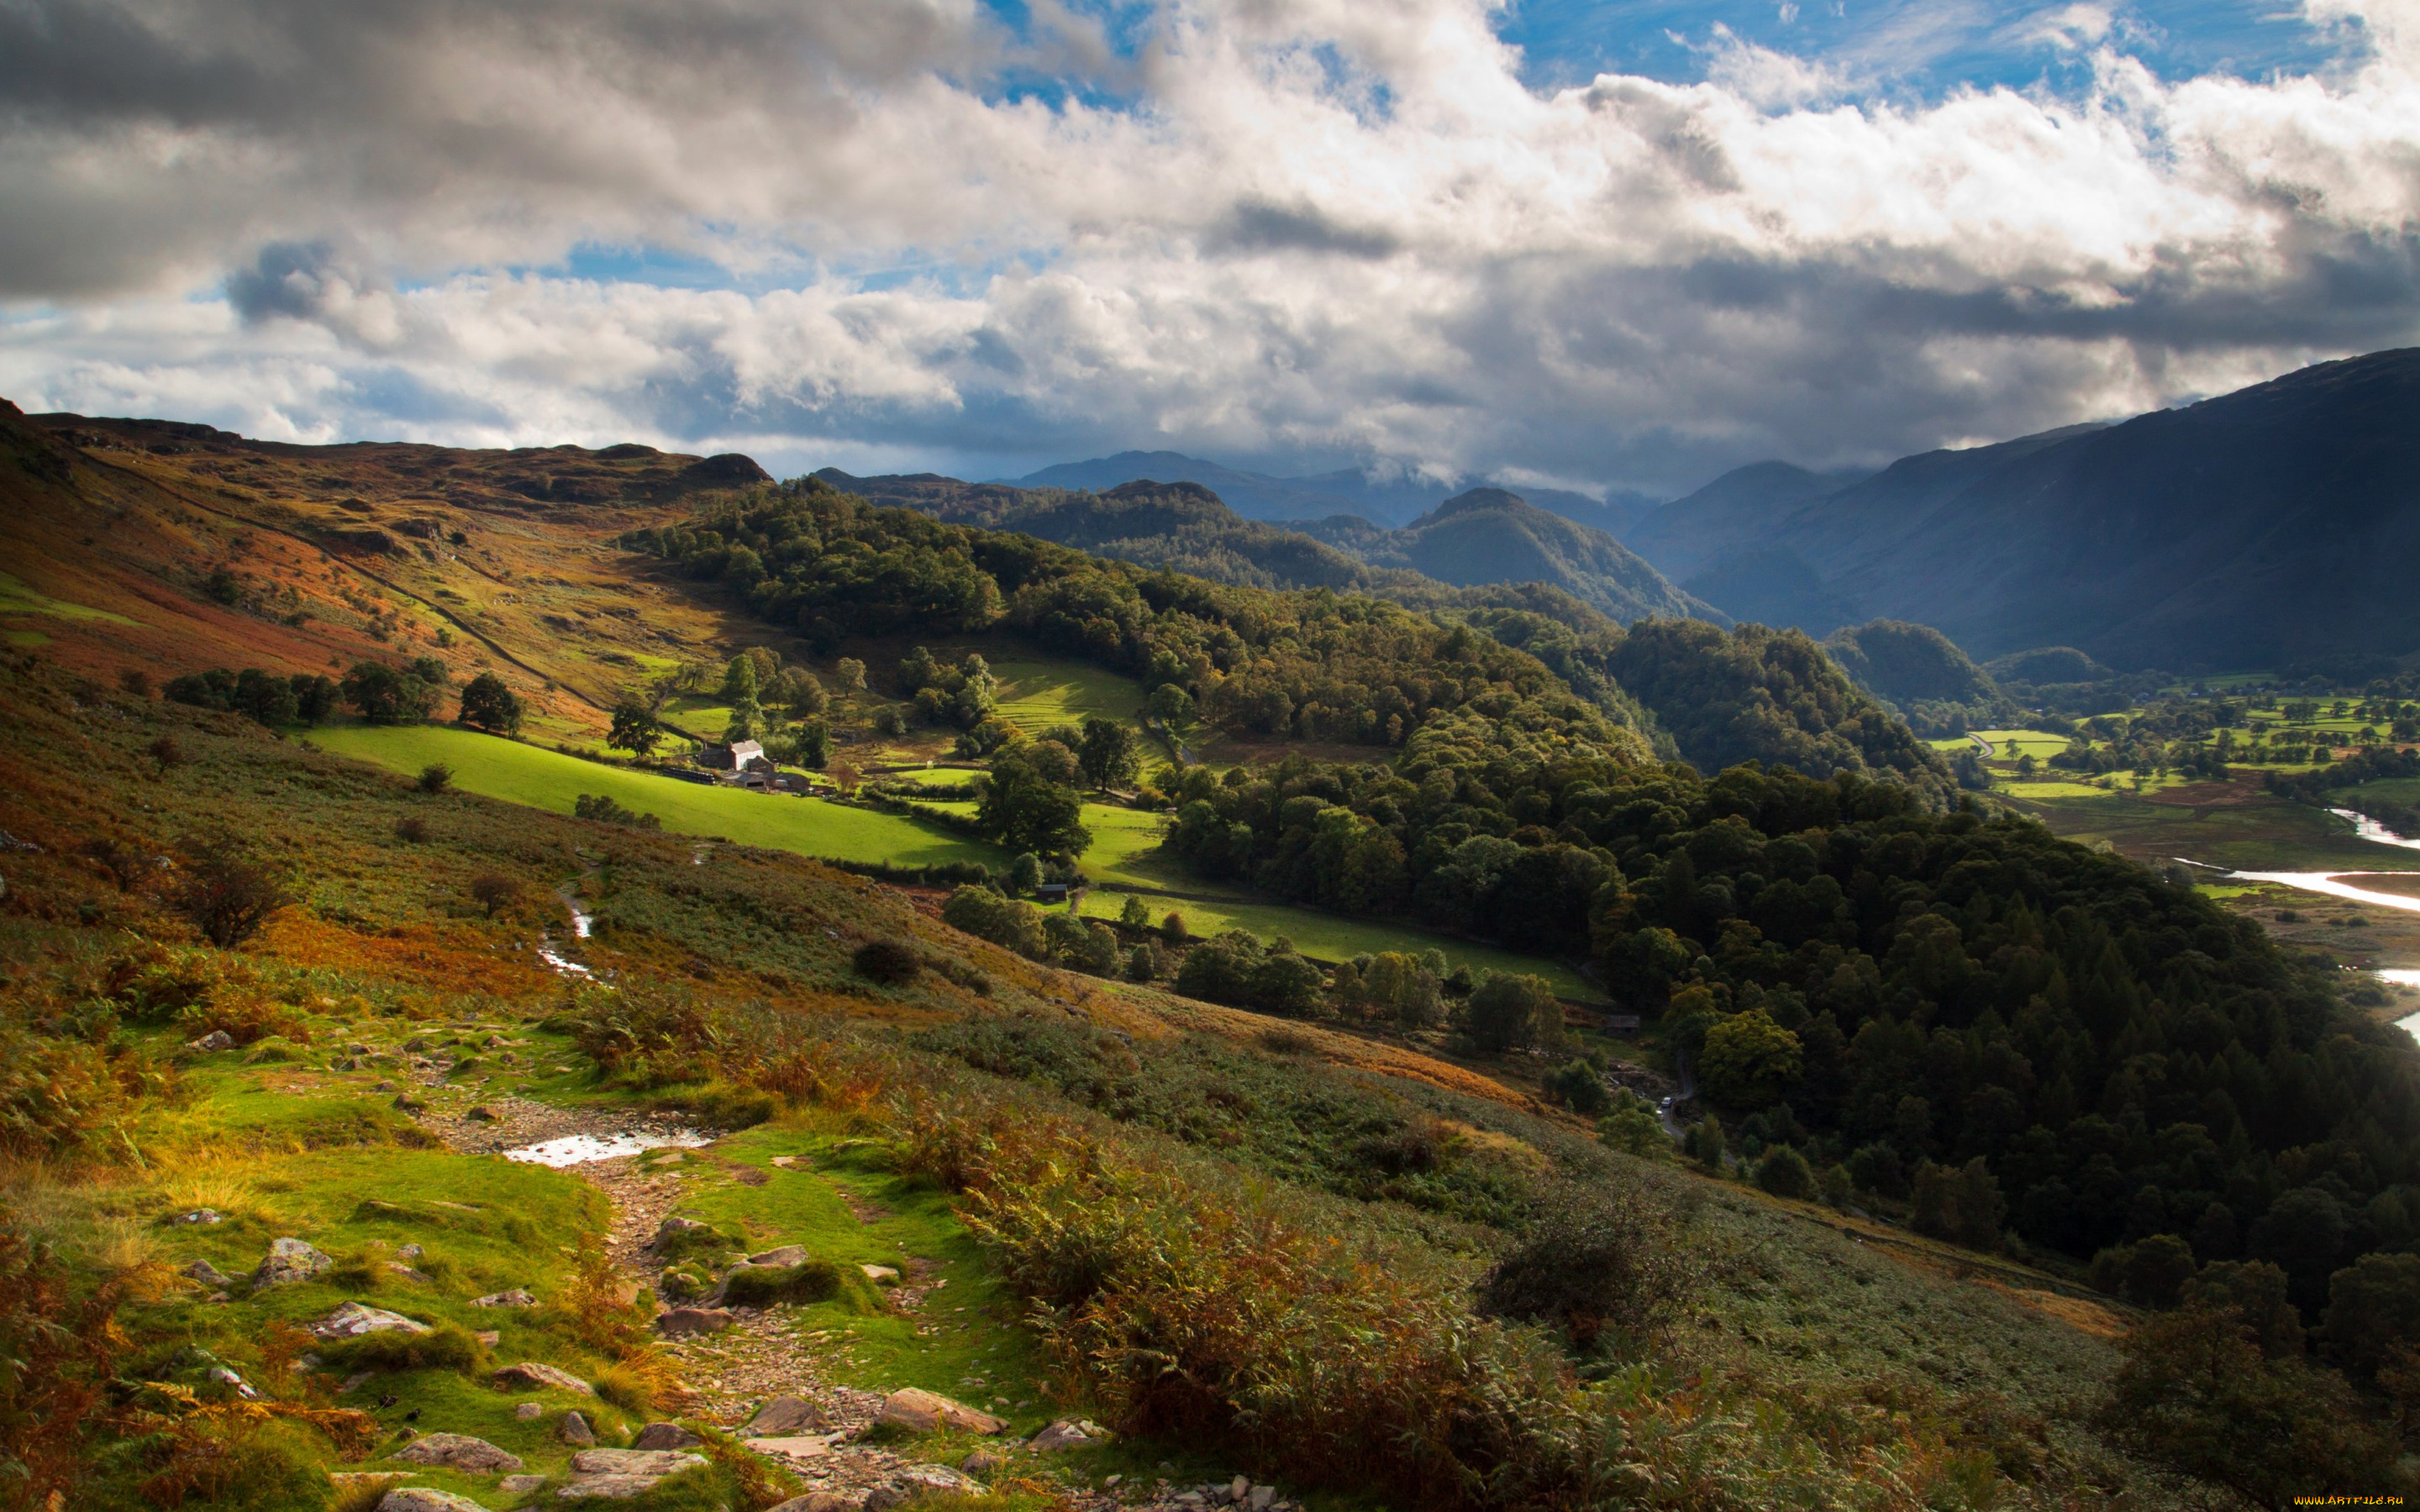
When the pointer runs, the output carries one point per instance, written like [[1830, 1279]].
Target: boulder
[[290, 1260], [482, 1114], [529, 1374], [424, 1499], [655, 1462], [622, 1474], [785, 1416], [917, 1410], [686, 1322], [881, 1275], [517, 1297], [519, 1485], [786, 1255], [575, 1430], [914, 1482], [215, 1039], [458, 1451], [1068, 1433], [352, 1320], [983, 1462], [208, 1274], [529, 1412], [665, 1436], [675, 1225], [795, 1446]]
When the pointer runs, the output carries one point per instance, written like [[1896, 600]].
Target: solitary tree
[[747, 714], [487, 703], [635, 730], [492, 890], [1108, 752], [851, 672], [226, 894]]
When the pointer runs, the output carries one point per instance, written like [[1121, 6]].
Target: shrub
[[227, 895], [164, 753], [412, 829], [1508, 1011], [604, 810], [1596, 1260], [447, 1347], [892, 963], [1632, 1126], [763, 1285], [434, 777], [1577, 1085], [493, 890], [1004, 921], [2152, 1271], [1172, 929], [1785, 1173]]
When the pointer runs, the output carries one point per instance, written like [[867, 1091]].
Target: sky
[[1596, 246]]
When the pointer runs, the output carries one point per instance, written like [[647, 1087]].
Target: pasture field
[[2229, 830], [506, 769], [1039, 692], [1120, 860], [1333, 937]]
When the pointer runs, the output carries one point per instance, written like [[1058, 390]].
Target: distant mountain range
[[2266, 528], [1262, 497], [1482, 537]]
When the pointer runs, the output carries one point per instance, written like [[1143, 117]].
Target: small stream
[[579, 926]]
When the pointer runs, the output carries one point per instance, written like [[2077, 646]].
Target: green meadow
[[498, 769]]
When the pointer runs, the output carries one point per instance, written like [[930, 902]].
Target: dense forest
[[1307, 665], [1888, 987]]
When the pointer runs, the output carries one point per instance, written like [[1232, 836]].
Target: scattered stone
[[208, 1274], [356, 1382], [489, 1337], [201, 1215], [785, 1416], [786, 1255], [529, 1412], [290, 1260], [912, 1482], [352, 1320], [381, 1087], [517, 1297], [215, 1039], [575, 1430], [227, 1378], [409, 1103], [665, 1436], [881, 1275], [1068, 1433], [982, 1462], [684, 1322], [1261, 1498], [415, 1042], [410, 1252], [529, 1375], [1239, 1487], [675, 1225], [484, 1114], [406, 1272], [458, 1451], [519, 1485], [917, 1410], [785, 1161], [424, 1499]]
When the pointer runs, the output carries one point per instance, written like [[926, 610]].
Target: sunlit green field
[[1038, 694], [542, 778], [1121, 858]]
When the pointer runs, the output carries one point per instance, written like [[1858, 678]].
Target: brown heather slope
[[174, 548]]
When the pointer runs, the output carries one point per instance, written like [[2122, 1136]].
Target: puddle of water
[[576, 1149]]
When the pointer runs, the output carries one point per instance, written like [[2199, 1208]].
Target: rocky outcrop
[[529, 1375], [458, 1451], [290, 1260], [352, 1320], [624, 1474], [914, 1409]]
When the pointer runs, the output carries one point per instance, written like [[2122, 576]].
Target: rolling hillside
[[2261, 529], [1477, 539]]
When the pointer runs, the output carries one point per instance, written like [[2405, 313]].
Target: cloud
[[1310, 234]]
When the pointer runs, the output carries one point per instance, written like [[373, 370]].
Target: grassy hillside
[[979, 1125]]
